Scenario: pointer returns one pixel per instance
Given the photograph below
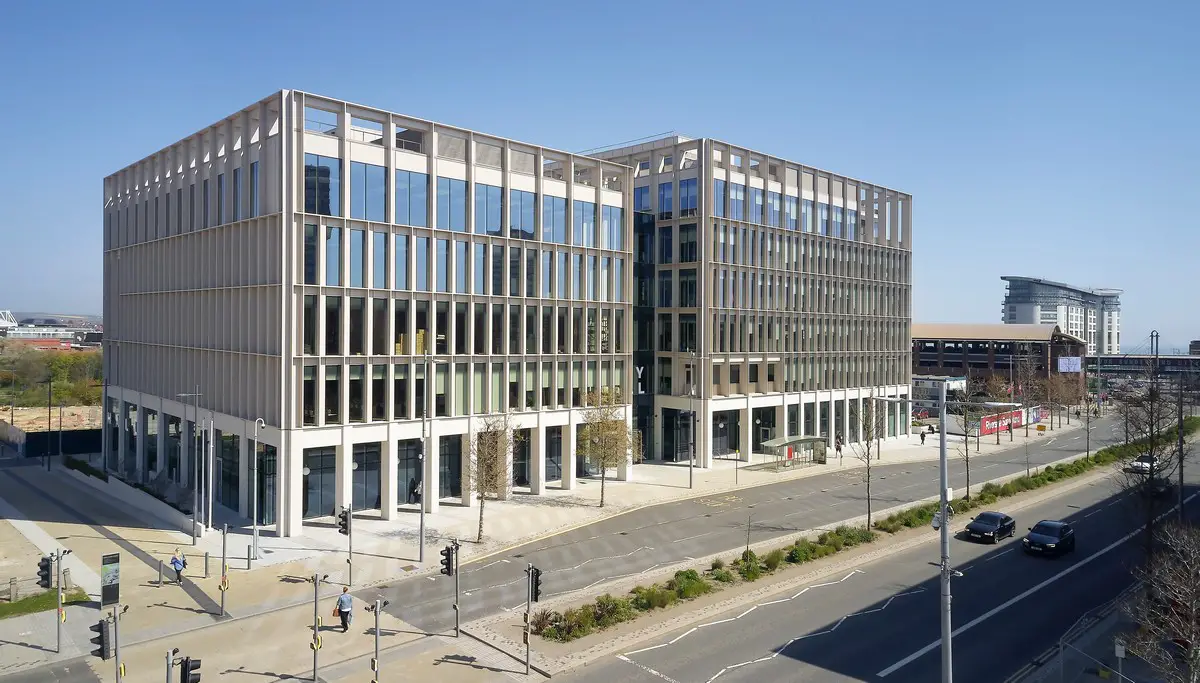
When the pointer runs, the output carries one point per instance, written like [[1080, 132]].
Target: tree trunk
[[479, 537], [603, 479], [967, 460], [868, 492]]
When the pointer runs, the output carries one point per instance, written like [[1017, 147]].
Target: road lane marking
[[681, 540], [490, 564], [647, 669], [998, 555], [597, 559], [778, 651], [1012, 601]]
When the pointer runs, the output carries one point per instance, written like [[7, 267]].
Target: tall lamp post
[[946, 571], [254, 481], [195, 396], [695, 421]]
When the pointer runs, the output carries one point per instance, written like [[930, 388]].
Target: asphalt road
[[71, 671], [639, 542], [881, 623]]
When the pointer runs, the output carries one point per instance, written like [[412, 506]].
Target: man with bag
[[343, 607]]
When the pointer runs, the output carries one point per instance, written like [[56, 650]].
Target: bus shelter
[[789, 451]]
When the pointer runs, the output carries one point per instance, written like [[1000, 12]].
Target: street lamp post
[[943, 505], [695, 422], [254, 481]]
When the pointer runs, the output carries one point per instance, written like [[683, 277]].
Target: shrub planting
[[773, 559]]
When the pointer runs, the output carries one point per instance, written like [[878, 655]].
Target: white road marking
[[490, 564], [778, 651], [596, 559], [681, 540], [1012, 601], [998, 555], [647, 669]]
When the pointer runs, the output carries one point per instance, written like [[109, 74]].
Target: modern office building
[[1093, 315], [771, 300], [338, 283]]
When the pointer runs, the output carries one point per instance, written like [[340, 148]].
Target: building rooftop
[[1094, 291], [989, 331]]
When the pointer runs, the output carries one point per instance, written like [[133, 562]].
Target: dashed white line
[[647, 669], [490, 564], [688, 538], [596, 559]]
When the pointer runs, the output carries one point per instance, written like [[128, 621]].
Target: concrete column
[[387, 487], [568, 456], [704, 446], [431, 486], [745, 434], [161, 446], [780, 421], [122, 436], [800, 419], [291, 490], [845, 426], [468, 479], [141, 443], [537, 459], [344, 487]]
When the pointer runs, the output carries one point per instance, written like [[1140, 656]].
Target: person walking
[[178, 564], [922, 438], [344, 604]]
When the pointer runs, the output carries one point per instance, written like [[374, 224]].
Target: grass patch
[[40, 602], [922, 515]]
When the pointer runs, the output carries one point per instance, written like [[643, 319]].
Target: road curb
[[558, 666]]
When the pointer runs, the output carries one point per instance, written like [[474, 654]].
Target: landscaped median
[[689, 584]]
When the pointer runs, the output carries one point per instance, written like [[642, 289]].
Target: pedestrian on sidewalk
[[922, 438], [178, 564], [837, 446], [344, 604]]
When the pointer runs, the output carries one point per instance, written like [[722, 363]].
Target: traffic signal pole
[[457, 611], [60, 616], [116, 621], [528, 609]]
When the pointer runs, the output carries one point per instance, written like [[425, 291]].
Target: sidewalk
[[1089, 656], [384, 551]]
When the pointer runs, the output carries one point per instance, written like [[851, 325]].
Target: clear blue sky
[[1057, 140]]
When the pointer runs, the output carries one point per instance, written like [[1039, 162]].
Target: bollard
[[160, 568], [206, 565], [249, 557], [13, 595], [66, 579]]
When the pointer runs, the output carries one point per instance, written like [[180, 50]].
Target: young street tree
[[1167, 607], [999, 390], [490, 474], [604, 438], [871, 430]]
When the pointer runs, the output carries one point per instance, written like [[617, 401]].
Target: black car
[[1156, 487], [990, 527], [1049, 537]]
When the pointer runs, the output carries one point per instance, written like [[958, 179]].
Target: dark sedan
[[1049, 537], [990, 527]]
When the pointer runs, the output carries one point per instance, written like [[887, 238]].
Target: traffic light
[[448, 560], [344, 522], [536, 581], [103, 639], [189, 670], [45, 572]]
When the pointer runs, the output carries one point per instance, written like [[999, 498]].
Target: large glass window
[[358, 257], [489, 209], [666, 247], [358, 325], [333, 394], [460, 267], [309, 396], [400, 392], [688, 252], [253, 194], [333, 325], [452, 204], [612, 227], [333, 256], [521, 212], [310, 325], [479, 269], [806, 215], [356, 386], [409, 474], [687, 198], [618, 288], [412, 198], [221, 217], [719, 198], [687, 288], [547, 274], [379, 328], [322, 185], [237, 198], [666, 209], [497, 270], [585, 224], [368, 185], [320, 482], [737, 201], [554, 219], [531, 265], [791, 213], [312, 254], [665, 285], [400, 328], [378, 393], [823, 212], [365, 476], [401, 262], [641, 198], [756, 205], [514, 271], [422, 267], [460, 328], [774, 208], [379, 260]]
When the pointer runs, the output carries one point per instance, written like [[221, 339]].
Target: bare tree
[[604, 438], [1152, 454], [871, 429], [1057, 390], [998, 390], [1029, 383], [489, 473], [1167, 607]]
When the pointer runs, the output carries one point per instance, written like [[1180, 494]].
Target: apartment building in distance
[[338, 290], [1093, 315], [771, 300]]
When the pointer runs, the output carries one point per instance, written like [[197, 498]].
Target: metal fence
[[1067, 660]]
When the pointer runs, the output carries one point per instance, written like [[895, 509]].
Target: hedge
[[922, 515]]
